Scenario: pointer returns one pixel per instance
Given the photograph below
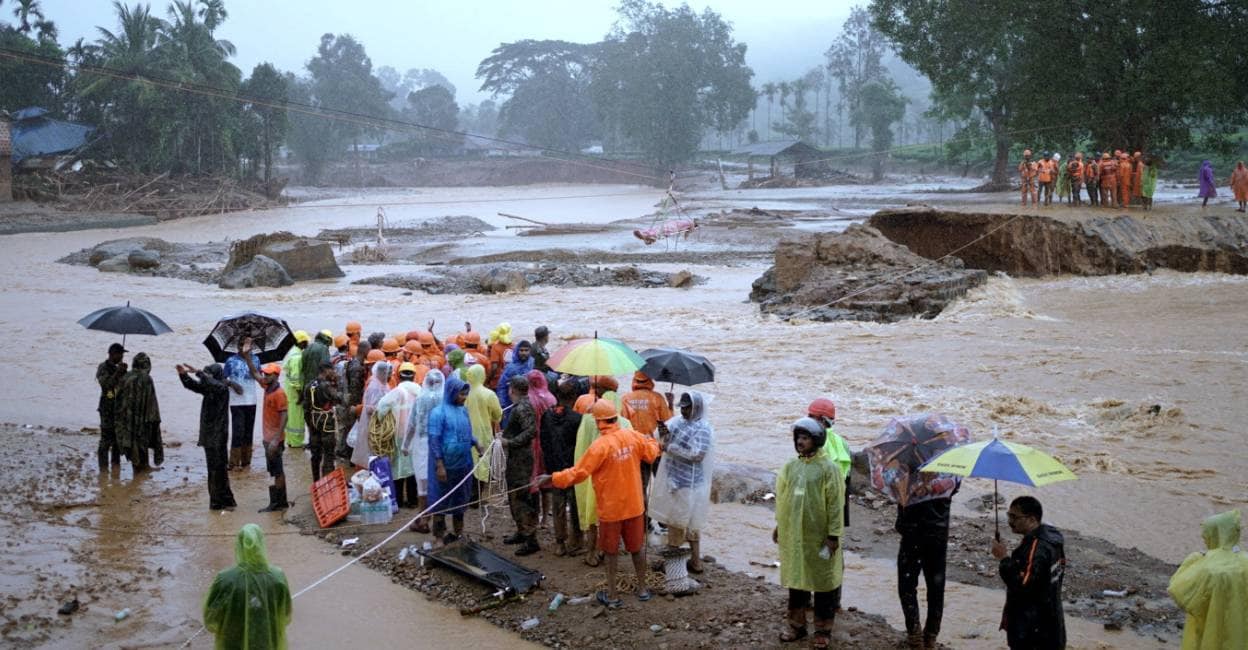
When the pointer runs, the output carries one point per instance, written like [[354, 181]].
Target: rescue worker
[[809, 502], [1032, 574], [1109, 180], [1027, 177], [1074, 172], [1046, 173], [613, 460], [292, 368], [138, 416], [1092, 179], [249, 604], [1124, 180], [518, 436]]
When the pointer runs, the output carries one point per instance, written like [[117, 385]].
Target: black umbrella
[[125, 320], [271, 337], [677, 366]]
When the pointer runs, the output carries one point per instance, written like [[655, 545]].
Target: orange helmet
[[472, 338], [400, 338], [426, 339], [603, 410], [374, 356], [271, 369], [340, 340], [389, 346], [412, 346], [354, 327], [822, 407], [413, 335]]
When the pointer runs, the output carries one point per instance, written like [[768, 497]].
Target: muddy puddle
[[1072, 365]]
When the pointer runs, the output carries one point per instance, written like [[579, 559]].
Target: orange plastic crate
[[329, 499]]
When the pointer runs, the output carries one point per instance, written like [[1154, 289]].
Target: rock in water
[[302, 258], [503, 281], [261, 271], [144, 259], [115, 247], [118, 264], [732, 483]]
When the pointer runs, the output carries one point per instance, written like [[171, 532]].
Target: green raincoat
[[586, 501], [1212, 587], [137, 410], [484, 412], [248, 606], [292, 368], [1063, 181], [810, 495], [838, 450], [1148, 184]]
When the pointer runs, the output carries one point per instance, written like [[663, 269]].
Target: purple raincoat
[[1207, 190]]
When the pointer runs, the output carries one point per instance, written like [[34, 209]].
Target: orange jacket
[[1109, 171], [614, 462], [644, 407], [1027, 170], [1046, 169], [497, 352], [1075, 171]]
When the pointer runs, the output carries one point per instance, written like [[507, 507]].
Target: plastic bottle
[[122, 614], [555, 602], [530, 624], [825, 552], [580, 600]]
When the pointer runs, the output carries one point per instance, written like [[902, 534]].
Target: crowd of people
[[1118, 180], [604, 469]]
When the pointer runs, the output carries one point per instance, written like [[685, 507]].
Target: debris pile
[[516, 277]]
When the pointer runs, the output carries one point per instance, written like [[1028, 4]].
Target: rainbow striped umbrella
[[1000, 461], [596, 356]]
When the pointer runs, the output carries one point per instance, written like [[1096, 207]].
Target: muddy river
[[1072, 365]]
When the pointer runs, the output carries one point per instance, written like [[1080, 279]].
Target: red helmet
[[822, 407]]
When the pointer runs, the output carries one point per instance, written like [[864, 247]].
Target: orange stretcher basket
[[329, 499]]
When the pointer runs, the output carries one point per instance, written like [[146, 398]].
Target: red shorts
[[632, 530]]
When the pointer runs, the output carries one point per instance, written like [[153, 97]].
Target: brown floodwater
[[1071, 365]]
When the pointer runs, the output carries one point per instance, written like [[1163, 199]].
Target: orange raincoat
[[614, 462], [1239, 182], [644, 407]]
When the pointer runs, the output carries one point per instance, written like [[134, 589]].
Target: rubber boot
[[529, 547], [914, 639], [675, 567], [316, 470], [244, 457], [277, 500], [929, 642], [233, 459]]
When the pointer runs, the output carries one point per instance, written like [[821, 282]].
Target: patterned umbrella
[[586, 357], [905, 445], [271, 337]]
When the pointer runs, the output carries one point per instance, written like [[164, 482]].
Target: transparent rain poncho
[[375, 389], [1212, 587], [416, 439], [248, 605], [681, 492]]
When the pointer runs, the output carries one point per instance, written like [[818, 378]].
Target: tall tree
[[27, 84], [667, 75], [342, 80], [268, 91], [855, 59], [879, 106], [549, 81], [434, 106], [770, 89], [799, 122], [24, 12]]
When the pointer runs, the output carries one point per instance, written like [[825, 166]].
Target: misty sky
[[785, 37]]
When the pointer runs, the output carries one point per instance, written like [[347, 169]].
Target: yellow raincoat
[[292, 368], [1212, 587], [810, 500], [586, 501], [838, 450], [484, 412]]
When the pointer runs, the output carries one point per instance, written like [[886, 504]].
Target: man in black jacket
[[557, 430], [1033, 573], [924, 529], [214, 417], [517, 438]]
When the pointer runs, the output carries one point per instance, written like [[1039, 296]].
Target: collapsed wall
[[858, 275], [301, 257], [1039, 245]]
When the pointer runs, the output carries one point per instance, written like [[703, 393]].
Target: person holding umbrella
[[109, 375], [1032, 574]]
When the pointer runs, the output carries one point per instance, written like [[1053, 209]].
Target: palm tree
[[46, 30], [769, 89], [785, 90], [24, 11]]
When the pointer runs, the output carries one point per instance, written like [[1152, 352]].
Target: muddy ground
[[733, 610]]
